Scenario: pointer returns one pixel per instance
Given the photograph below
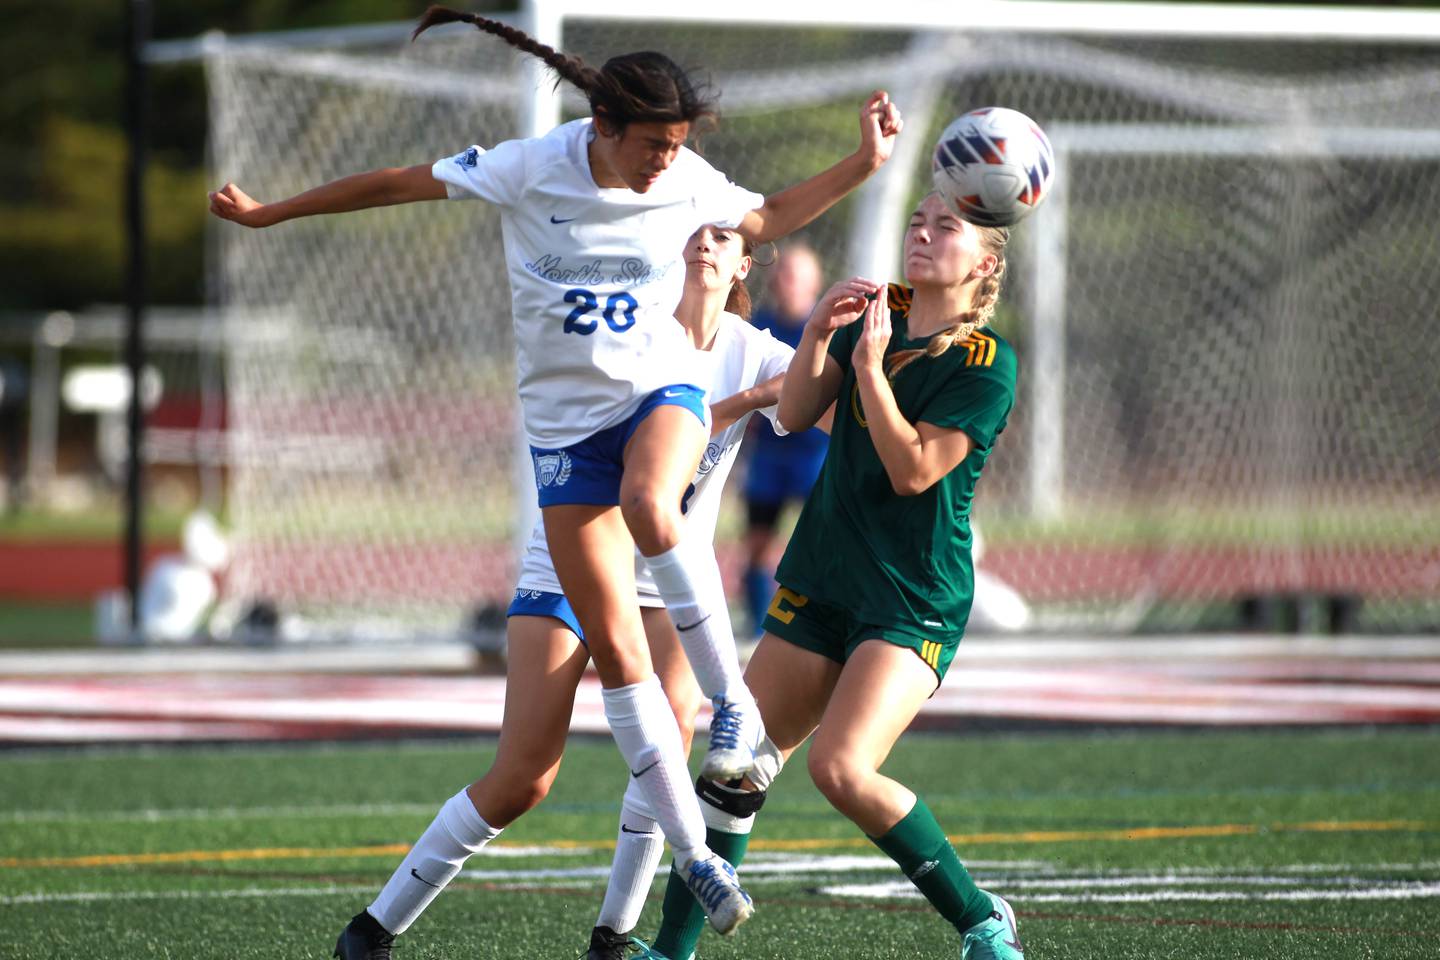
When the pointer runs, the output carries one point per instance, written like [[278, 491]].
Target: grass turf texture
[[46, 626], [238, 852]]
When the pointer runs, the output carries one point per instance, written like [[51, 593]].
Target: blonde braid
[[987, 295]]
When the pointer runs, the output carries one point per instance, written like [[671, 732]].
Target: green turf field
[[1271, 844]]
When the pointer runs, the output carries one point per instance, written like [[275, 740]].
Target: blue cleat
[[714, 884], [735, 732]]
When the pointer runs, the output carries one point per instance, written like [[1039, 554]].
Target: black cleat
[[606, 944], [364, 939]]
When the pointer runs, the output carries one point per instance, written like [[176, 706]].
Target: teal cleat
[[995, 937]]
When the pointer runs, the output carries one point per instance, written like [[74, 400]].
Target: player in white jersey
[[742, 370], [743, 367], [593, 216]]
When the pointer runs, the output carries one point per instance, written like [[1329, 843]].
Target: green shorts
[[832, 632]]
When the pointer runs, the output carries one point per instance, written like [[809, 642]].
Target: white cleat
[[715, 886], [735, 734]]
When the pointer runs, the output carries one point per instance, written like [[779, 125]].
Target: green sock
[[682, 920], [919, 846]]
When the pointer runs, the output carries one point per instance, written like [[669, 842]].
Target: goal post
[[1222, 312]]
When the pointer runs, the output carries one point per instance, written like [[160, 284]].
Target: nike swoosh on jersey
[[555, 219], [673, 393]]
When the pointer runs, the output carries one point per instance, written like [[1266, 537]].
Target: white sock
[[638, 847], [649, 739], [457, 831], [768, 761], [689, 583]]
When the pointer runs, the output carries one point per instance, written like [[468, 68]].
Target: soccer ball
[[993, 166]]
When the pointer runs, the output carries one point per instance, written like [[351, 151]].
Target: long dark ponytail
[[645, 87]]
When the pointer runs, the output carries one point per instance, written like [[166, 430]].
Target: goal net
[[1223, 313]]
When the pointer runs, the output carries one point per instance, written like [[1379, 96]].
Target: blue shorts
[[589, 472], [540, 603], [778, 476]]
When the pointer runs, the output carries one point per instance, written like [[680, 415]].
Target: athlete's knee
[[620, 664], [837, 777], [654, 520], [503, 799]]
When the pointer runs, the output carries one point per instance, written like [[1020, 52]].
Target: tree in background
[[63, 149]]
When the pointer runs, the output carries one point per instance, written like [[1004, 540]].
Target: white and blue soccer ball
[[993, 166]]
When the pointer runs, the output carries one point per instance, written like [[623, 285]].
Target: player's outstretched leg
[[648, 737], [457, 832], [658, 464], [880, 690], [688, 579]]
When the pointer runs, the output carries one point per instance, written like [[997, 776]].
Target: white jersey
[[595, 273], [740, 358]]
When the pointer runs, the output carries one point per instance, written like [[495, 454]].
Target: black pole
[[136, 123]]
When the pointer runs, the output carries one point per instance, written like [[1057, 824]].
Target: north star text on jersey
[[632, 271], [553, 268], [636, 272]]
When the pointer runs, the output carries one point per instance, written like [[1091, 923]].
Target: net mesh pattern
[[1222, 315]]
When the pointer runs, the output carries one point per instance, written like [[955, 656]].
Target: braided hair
[[982, 306], [645, 87]]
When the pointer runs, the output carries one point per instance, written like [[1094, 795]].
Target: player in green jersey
[[876, 584]]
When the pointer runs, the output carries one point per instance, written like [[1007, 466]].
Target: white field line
[[784, 863], [777, 866], [896, 890], [1170, 880], [780, 867], [903, 890], [217, 813], [1300, 868], [25, 899]]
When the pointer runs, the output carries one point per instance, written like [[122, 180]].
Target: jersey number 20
[[585, 301]]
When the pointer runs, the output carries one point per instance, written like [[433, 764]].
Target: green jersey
[[887, 559]]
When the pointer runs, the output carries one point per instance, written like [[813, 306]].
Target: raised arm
[[813, 379], [915, 455], [378, 188], [792, 208]]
